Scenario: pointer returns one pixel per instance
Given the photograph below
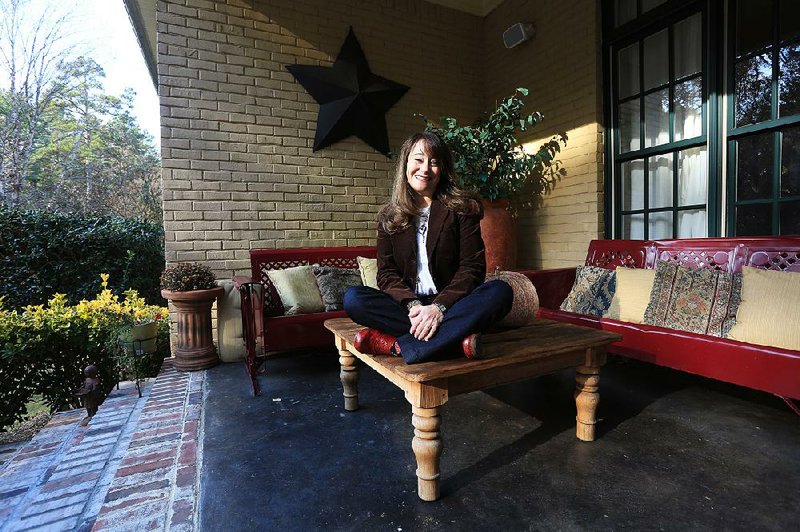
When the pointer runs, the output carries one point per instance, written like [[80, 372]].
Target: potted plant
[[192, 290], [491, 161]]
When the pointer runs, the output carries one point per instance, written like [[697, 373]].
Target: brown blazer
[[456, 257]]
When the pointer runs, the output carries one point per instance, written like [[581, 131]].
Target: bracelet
[[441, 307], [413, 303]]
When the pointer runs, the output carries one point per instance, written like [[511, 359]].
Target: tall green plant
[[490, 159]]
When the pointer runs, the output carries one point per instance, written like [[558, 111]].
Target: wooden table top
[[540, 340]]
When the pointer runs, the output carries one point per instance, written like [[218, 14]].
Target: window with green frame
[[660, 155], [703, 124], [764, 118]]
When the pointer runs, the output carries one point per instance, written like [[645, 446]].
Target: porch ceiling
[[143, 17]]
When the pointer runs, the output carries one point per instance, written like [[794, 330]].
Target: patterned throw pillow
[[333, 283], [702, 301], [592, 292]]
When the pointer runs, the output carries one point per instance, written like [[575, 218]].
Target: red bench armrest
[[552, 286]]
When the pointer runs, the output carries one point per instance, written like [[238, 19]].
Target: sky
[[112, 43], [101, 29]]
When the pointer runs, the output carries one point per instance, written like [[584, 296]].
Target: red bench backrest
[[262, 260], [780, 253]]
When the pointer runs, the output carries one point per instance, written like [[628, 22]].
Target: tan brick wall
[[562, 67], [237, 130]]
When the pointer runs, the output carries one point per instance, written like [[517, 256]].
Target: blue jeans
[[484, 306]]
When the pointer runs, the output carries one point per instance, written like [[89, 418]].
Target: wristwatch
[[441, 307], [413, 303]]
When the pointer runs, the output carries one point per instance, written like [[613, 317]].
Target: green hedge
[[44, 348], [46, 253]]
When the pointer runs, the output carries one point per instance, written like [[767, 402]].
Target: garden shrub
[[44, 348], [45, 253]]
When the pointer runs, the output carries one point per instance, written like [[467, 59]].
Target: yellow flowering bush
[[44, 348]]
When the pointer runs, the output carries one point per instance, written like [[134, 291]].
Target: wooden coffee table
[[513, 355]]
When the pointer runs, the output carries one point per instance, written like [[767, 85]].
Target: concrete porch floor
[[673, 452]]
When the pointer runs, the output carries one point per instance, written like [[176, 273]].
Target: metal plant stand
[[133, 349]]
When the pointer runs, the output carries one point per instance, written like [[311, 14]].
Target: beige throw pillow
[[368, 268], [768, 312], [298, 290], [632, 294]]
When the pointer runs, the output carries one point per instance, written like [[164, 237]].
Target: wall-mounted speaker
[[517, 34]]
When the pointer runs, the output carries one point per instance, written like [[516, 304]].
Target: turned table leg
[[587, 380], [349, 377], [427, 445]]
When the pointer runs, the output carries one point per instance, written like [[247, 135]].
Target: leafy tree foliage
[[65, 145]]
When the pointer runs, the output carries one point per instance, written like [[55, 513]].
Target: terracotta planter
[[499, 231], [195, 348]]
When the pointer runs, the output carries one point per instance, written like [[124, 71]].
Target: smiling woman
[[432, 300], [422, 172]]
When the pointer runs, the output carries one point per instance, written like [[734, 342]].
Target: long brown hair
[[398, 214]]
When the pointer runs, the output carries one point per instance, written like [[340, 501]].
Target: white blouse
[[425, 284]]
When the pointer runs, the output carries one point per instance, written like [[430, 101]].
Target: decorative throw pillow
[[369, 271], [333, 282], [526, 300], [702, 300], [592, 292], [768, 312], [298, 290], [632, 294]]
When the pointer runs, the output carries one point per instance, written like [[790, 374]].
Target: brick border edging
[[157, 483]]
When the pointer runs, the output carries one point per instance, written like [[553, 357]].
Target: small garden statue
[[91, 392]]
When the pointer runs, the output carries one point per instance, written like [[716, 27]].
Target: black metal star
[[352, 100]]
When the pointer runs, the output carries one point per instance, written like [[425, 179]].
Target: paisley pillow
[[592, 292], [702, 300]]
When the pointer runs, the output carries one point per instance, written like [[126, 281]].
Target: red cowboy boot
[[472, 346], [374, 342]]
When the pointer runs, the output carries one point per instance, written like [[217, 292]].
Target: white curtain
[[692, 189]]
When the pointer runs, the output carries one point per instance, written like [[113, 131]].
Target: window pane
[[692, 177], [692, 224], [687, 41], [753, 89], [688, 109], [624, 11], [790, 218], [628, 64], [632, 185], [656, 118], [789, 81], [754, 165], [647, 5], [789, 19], [754, 220], [660, 225], [659, 181], [790, 162], [629, 126], [656, 60], [633, 226], [753, 25]]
